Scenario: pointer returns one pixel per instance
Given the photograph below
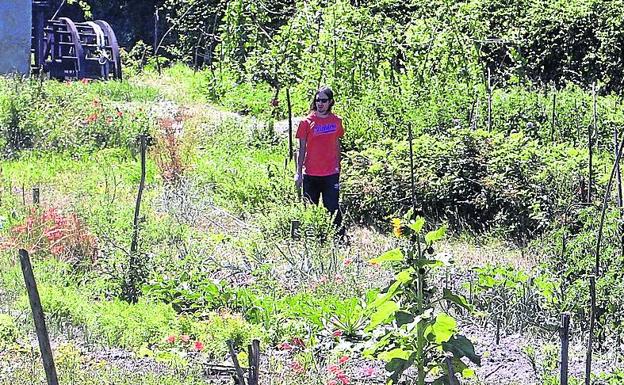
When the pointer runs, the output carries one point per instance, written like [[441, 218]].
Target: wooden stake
[[137, 206], [592, 321], [240, 375], [254, 362], [564, 333], [489, 90], [290, 126], [411, 153], [39, 318], [35, 195], [592, 132], [618, 176], [554, 117]]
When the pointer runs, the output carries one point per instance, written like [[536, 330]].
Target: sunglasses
[[321, 100]]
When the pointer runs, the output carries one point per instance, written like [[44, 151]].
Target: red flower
[[198, 346], [347, 261], [185, 338], [85, 80], [332, 382], [296, 341], [342, 378], [337, 333], [170, 339], [297, 367], [285, 346], [119, 114], [92, 118], [333, 369], [343, 359]]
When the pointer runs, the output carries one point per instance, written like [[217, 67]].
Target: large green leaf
[[405, 275], [443, 327], [457, 299], [403, 318], [397, 366], [435, 235], [389, 256], [383, 298], [383, 312], [417, 225], [461, 346], [394, 353]]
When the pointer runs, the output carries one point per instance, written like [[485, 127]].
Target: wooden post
[[489, 90], [592, 132], [156, 22], [498, 326], [290, 125], [554, 117], [240, 375], [564, 333], [618, 176], [254, 362], [411, 153], [592, 321], [137, 206], [35, 195], [39, 318], [131, 292]]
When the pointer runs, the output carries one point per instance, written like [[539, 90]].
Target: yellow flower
[[397, 230]]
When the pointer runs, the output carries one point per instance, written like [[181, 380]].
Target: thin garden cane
[[597, 265]]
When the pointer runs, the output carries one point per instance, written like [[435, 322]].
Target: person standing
[[318, 162]]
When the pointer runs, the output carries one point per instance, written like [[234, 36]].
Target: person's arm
[[300, 158], [338, 152]]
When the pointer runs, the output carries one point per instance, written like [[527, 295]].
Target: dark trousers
[[329, 187]]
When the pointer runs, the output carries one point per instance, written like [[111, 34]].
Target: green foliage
[[112, 323], [8, 332], [513, 299]]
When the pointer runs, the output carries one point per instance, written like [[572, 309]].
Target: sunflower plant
[[407, 323]]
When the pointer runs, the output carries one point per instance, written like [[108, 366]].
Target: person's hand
[[298, 180]]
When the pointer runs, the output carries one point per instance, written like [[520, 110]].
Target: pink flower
[[198, 346], [296, 341], [347, 261], [343, 359], [369, 371], [185, 338], [285, 346], [170, 339], [332, 382], [333, 369], [337, 333], [119, 114], [296, 367], [85, 81], [92, 118], [343, 378]]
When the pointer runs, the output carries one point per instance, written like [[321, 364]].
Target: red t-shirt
[[321, 135]]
